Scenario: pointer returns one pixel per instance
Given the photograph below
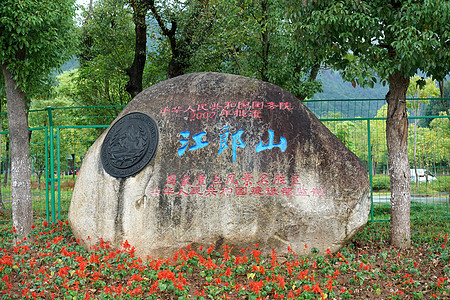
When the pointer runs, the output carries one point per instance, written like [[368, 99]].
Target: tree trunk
[[136, 71], [265, 42], [22, 208], [312, 77], [176, 66], [397, 145]]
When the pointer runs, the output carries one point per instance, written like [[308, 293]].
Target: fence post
[[52, 163], [58, 164], [370, 169], [47, 174]]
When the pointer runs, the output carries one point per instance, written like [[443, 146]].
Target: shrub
[[381, 183]]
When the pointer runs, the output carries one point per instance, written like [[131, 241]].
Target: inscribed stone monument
[[214, 159]]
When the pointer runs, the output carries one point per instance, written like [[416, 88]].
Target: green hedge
[[441, 185], [381, 183]]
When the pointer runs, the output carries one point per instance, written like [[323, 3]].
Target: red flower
[[302, 274], [63, 272], [166, 274], [281, 281], [256, 286], [197, 293], [330, 285], [256, 254], [226, 253], [210, 264], [126, 245], [94, 259], [136, 277]]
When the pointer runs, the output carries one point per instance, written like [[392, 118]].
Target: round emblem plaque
[[129, 145]]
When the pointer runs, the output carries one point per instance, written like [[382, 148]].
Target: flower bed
[[55, 266]]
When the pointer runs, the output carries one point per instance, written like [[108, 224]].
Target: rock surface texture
[[238, 161]]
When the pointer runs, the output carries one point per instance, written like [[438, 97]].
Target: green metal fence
[[361, 126], [60, 138]]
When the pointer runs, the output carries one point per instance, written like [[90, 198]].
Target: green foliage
[[254, 39], [422, 88], [446, 88], [341, 129], [384, 37], [106, 50], [381, 183], [179, 29], [57, 266], [2, 91], [37, 36], [441, 185], [435, 106], [432, 144]]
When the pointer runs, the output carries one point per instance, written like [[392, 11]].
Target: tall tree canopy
[[184, 26], [392, 39], [254, 39], [36, 37], [105, 53], [250, 38]]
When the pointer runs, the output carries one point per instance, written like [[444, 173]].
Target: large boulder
[[209, 158]]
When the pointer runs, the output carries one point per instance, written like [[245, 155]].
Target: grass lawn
[[55, 266]]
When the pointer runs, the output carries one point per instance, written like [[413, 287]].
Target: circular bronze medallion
[[129, 145]]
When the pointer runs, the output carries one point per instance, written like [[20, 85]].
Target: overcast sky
[[83, 2]]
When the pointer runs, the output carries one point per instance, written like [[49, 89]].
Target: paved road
[[429, 200]]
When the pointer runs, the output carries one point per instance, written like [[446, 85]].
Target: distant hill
[[70, 65], [334, 88]]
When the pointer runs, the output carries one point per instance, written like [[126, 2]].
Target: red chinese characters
[[242, 185], [240, 109]]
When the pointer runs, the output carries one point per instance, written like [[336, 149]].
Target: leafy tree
[[105, 53], [254, 39], [61, 95], [432, 145], [392, 39], [437, 105], [446, 89], [422, 90], [36, 37], [441, 143], [183, 26], [378, 137], [136, 70], [341, 129]]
